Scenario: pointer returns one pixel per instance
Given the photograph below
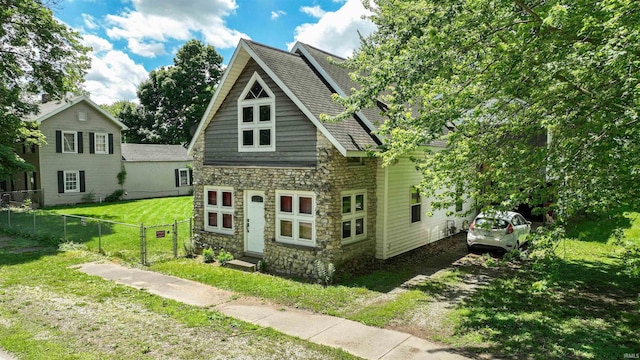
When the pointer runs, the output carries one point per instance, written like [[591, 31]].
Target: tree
[[38, 55], [174, 98], [502, 75]]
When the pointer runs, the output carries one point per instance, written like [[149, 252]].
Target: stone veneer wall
[[327, 180]]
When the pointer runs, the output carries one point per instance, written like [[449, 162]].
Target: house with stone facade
[[273, 181]]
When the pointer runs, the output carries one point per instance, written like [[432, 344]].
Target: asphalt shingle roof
[[299, 77]]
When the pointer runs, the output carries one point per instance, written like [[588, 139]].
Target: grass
[[48, 310], [113, 238]]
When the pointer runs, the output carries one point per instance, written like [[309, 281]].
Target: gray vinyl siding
[[100, 169], [295, 134]]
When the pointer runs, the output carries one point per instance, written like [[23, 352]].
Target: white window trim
[[75, 142], [295, 217], [256, 125], [353, 215], [186, 171], [82, 116], [411, 205], [219, 209], [106, 143], [77, 174]]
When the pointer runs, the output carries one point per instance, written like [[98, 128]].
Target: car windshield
[[490, 223]]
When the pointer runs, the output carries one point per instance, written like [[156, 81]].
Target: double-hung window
[[295, 217], [416, 204], [69, 142], [218, 210], [256, 117], [101, 143], [71, 181], [183, 177], [354, 216]]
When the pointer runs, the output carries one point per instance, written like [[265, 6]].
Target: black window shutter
[[60, 182], [82, 184], [58, 141], [24, 149], [110, 143], [35, 181], [177, 177], [26, 181], [79, 142], [190, 176], [92, 144]]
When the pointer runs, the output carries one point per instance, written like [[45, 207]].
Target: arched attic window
[[256, 117]]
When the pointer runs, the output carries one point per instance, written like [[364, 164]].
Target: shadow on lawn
[[599, 228], [590, 310]]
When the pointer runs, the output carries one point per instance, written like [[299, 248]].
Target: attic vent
[[256, 92]]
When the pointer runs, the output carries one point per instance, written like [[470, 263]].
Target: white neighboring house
[[156, 170], [83, 155]]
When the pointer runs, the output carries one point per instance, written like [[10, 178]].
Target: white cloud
[[277, 14], [152, 22], [89, 21], [315, 11], [113, 75], [337, 32]]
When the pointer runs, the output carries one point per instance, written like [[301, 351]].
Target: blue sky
[[132, 37]]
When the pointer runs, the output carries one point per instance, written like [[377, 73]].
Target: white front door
[[254, 221]]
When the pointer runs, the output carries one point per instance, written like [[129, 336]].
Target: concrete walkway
[[358, 339]]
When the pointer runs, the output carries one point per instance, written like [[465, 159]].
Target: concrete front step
[[241, 265]]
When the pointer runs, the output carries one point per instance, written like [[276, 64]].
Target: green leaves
[[174, 98], [38, 55], [506, 76]]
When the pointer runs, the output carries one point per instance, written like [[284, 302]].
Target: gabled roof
[[51, 108], [154, 152], [307, 83]]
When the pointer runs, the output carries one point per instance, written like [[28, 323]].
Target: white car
[[505, 230]]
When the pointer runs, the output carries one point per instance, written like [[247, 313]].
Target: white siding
[[100, 169], [153, 179], [395, 232]]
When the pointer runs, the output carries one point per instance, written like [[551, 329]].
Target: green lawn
[[115, 238], [48, 310]]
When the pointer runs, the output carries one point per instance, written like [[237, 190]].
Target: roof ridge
[[322, 51], [251, 42]]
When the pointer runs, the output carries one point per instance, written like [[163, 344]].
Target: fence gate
[[163, 242]]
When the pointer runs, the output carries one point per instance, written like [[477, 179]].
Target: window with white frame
[[256, 117], [295, 217], [71, 181], [354, 216], [69, 142], [183, 176], [218, 210], [101, 142], [82, 116], [416, 204]]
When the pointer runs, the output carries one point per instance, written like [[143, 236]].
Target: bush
[[224, 257], [115, 196], [325, 272], [189, 248], [207, 255]]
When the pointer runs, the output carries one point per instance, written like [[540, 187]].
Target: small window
[[256, 117], [69, 142], [416, 204], [71, 181], [354, 216], [183, 177], [82, 116], [219, 210], [101, 143]]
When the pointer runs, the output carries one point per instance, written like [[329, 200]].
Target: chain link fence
[[131, 242]]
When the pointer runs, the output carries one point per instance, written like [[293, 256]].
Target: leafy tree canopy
[[38, 55], [504, 76], [174, 98]]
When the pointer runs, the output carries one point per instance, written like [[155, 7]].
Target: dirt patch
[[125, 330]]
